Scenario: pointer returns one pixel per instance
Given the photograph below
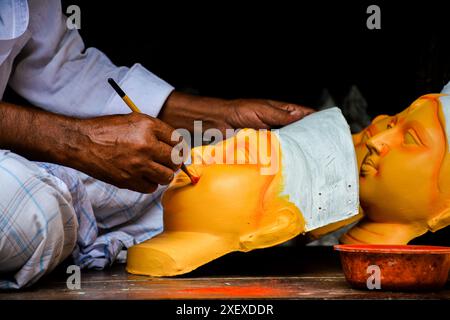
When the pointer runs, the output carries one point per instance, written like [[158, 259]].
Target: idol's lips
[[368, 161], [368, 166]]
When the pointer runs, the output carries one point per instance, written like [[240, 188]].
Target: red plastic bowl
[[401, 267]]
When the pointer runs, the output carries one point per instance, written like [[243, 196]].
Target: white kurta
[[47, 64]]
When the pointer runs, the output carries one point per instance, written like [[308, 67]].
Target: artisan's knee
[[37, 221]]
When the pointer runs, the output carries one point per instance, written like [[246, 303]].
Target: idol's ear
[[284, 224], [439, 221], [279, 219]]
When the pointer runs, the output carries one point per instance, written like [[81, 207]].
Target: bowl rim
[[389, 248]]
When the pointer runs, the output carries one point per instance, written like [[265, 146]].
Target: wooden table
[[278, 273]]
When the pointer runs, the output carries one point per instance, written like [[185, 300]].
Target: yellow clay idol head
[[404, 173], [233, 207]]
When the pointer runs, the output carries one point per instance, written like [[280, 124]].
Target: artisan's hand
[[262, 114], [180, 111], [130, 151]]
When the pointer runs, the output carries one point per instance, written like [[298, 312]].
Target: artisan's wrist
[[57, 140], [61, 141], [76, 145], [181, 110]]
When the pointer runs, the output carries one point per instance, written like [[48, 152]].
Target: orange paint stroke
[[237, 291]]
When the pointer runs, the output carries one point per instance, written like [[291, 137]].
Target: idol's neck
[[368, 232]]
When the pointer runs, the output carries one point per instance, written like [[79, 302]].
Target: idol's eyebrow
[[370, 129]]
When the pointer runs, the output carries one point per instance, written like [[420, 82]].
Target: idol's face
[[225, 200], [399, 159], [232, 194]]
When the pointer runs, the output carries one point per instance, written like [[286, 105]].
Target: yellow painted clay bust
[[404, 174], [404, 189], [243, 212]]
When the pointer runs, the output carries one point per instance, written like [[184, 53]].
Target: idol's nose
[[379, 144]]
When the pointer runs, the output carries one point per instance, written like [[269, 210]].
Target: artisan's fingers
[[165, 155], [282, 115], [165, 133], [276, 117], [295, 108], [157, 173], [292, 107]]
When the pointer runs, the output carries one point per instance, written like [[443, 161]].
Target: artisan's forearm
[[38, 135], [131, 151]]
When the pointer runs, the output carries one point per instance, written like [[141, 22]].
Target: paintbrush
[[134, 108]]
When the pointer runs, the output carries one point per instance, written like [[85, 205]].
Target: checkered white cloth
[[48, 212]]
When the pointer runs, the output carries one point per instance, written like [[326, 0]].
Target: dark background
[[280, 50], [288, 51]]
